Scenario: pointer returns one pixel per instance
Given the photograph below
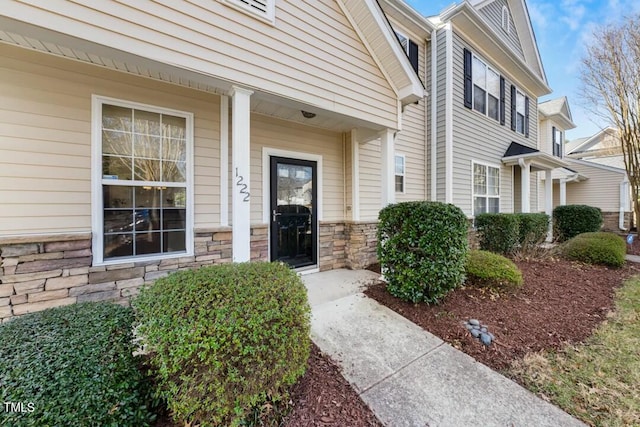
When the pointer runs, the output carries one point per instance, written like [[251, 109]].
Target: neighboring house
[[594, 174], [142, 138]]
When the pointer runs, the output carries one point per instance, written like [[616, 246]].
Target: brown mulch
[[633, 249], [322, 398], [560, 302]]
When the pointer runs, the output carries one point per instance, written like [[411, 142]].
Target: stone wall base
[[611, 220], [37, 273]]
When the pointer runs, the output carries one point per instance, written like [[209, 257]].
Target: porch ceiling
[[53, 43]]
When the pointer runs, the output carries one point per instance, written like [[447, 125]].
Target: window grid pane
[[143, 219], [486, 189]]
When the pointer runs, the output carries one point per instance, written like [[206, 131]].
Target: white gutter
[[449, 114], [434, 115], [624, 202]]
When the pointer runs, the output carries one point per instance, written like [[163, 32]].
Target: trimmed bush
[[224, 339], [75, 364], [533, 228], [422, 248], [571, 220], [597, 248], [487, 269], [498, 232]]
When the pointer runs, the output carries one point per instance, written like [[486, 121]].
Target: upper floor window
[[557, 141], [399, 172], [264, 9], [486, 189], [483, 87], [519, 112], [142, 180], [410, 48], [506, 21]]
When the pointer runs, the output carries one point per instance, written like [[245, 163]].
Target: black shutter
[[513, 107], [468, 80], [526, 117], [502, 96], [413, 56], [553, 141]]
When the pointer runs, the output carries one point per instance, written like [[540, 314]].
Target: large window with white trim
[[486, 89], [144, 179], [486, 189]]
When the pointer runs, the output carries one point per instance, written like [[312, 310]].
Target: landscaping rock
[[475, 332], [474, 322], [485, 339]]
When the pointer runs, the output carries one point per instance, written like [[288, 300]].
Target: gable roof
[[376, 33], [583, 144], [529, 71], [558, 110]]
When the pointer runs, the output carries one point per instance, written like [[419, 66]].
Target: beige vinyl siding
[[481, 138], [493, 14], [370, 180], [601, 190], [283, 135], [45, 139], [311, 54], [546, 139], [412, 141]]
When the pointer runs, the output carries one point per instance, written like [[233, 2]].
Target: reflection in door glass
[[294, 207]]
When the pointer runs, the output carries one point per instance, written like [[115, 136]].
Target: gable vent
[[261, 8]]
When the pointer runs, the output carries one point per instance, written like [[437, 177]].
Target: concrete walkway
[[407, 376]]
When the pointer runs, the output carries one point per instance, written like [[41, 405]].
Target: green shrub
[[498, 232], [422, 247], [533, 228], [76, 365], [487, 269], [571, 220], [224, 339], [597, 248]]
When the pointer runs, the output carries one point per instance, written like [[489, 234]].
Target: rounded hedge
[[75, 366], [533, 228], [597, 248], [223, 339], [498, 232], [487, 269], [422, 247], [571, 220]]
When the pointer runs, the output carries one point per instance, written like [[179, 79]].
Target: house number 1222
[[243, 187]]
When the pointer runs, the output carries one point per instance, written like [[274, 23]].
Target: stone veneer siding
[[611, 220], [37, 273], [361, 244], [56, 270]]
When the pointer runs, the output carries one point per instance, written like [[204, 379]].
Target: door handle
[[275, 215]]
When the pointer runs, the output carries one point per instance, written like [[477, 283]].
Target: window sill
[[143, 259]]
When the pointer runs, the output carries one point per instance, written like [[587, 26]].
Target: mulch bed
[[322, 397], [560, 302], [634, 249]]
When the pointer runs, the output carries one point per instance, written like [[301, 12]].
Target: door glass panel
[[293, 214]]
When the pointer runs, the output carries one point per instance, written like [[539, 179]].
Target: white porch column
[[240, 159], [388, 167], [563, 192], [525, 182], [548, 201]]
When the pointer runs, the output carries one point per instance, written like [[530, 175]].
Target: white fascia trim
[[598, 166], [408, 93], [449, 114], [97, 210], [224, 160], [465, 9], [434, 115]]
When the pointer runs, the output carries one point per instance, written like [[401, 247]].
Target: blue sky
[[563, 28]]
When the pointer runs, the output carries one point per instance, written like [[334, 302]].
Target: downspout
[[449, 114], [344, 175], [434, 115], [624, 202]]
